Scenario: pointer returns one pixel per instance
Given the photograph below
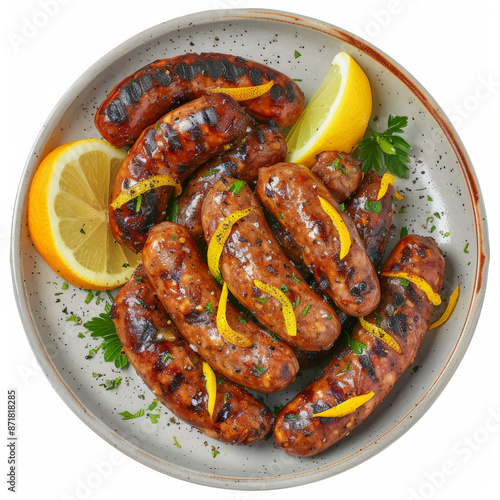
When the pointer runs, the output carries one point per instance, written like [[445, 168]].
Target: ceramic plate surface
[[441, 181]]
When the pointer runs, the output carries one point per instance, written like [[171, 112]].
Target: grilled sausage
[[174, 372], [143, 97], [293, 191], [339, 172], [374, 224], [180, 142], [264, 146], [191, 296], [405, 314], [251, 253]]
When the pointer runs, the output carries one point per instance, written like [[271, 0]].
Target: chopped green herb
[[153, 405], [65, 286], [210, 172], [446, 234], [128, 416], [215, 452], [81, 335], [263, 300], [342, 207], [176, 442], [236, 187], [404, 281], [89, 297], [404, 231], [292, 416], [433, 228], [429, 198], [76, 319], [220, 380], [141, 396], [297, 79], [346, 369], [356, 345], [277, 409], [296, 303], [402, 210], [82, 231], [209, 308], [306, 310], [103, 327], [112, 384], [157, 126], [125, 265], [284, 288], [466, 248], [373, 206], [138, 203], [385, 149], [259, 370], [297, 54], [59, 293], [436, 214], [296, 279], [174, 238], [172, 209], [379, 318], [281, 215], [241, 320], [167, 357], [154, 417], [415, 368]]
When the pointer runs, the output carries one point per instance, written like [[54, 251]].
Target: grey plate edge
[[442, 379]]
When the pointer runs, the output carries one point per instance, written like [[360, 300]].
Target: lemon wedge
[[68, 215], [337, 115]]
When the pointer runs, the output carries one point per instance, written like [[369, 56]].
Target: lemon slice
[[337, 115], [68, 215]]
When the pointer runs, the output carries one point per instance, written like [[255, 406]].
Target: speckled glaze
[[441, 181]]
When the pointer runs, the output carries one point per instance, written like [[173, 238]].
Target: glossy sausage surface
[[143, 97], [251, 253], [191, 296], [264, 146], [405, 314], [291, 192], [174, 372], [180, 142], [373, 222]]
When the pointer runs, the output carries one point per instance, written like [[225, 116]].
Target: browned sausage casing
[[180, 142], [374, 227], [291, 193], [143, 97], [405, 314], [251, 253], [174, 372], [264, 146], [191, 296], [339, 172]]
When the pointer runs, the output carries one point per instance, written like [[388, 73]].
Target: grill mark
[[198, 318], [255, 76], [367, 364], [398, 324], [163, 78], [290, 92], [173, 139], [150, 142], [224, 413], [214, 69], [261, 137], [210, 116], [133, 91], [276, 92], [146, 82], [117, 112], [175, 383], [145, 338]]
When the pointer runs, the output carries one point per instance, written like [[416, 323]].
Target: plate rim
[[441, 379]]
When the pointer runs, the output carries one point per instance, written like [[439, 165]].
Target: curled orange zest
[[449, 309], [387, 179], [288, 313], [219, 238], [146, 185], [380, 334], [345, 239], [244, 93], [227, 333], [211, 385], [418, 282], [346, 407]]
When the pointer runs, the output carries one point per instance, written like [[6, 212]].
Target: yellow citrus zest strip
[[288, 313], [225, 330], [387, 180], [211, 385], [398, 196], [345, 239], [219, 239], [244, 93], [382, 335], [146, 185], [449, 309], [346, 407], [418, 282]]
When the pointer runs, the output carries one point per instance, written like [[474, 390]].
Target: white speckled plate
[[441, 181]]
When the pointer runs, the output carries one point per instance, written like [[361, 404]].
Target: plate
[[441, 181]]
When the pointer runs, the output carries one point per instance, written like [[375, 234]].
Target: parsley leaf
[[103, 327], [236, 187], [385, 149]]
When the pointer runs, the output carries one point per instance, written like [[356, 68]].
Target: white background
[[451, 47]]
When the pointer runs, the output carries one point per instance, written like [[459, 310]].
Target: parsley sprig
[[102, 326], [385, 149]]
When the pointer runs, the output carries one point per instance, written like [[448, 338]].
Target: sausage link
[[180, 142], [291, 193], [374, 225], [405, 314], [251, 253], [339, 172], [143, 97], [191, 296], [174, 372], [264, 146]]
